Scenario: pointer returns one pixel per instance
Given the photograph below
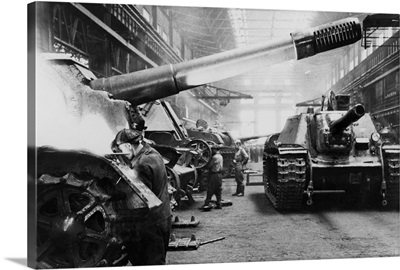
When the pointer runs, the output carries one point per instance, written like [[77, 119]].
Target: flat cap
[[128, 136]]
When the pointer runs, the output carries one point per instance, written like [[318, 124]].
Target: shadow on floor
[[20, 261]]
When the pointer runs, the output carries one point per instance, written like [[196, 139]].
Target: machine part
[[310, 187], [75, 224], [203, 153], [174, 184], [326, 37], [191, 243], [310, 192], [212, 241], [383, 185], [178, 223], [176, 244]]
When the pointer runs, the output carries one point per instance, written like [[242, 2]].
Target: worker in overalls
[[240, 160], [214, 182]]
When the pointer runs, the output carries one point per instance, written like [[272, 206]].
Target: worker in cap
[[214, 181], [148, 239], [127, 141], [240, 160], [128, 136]]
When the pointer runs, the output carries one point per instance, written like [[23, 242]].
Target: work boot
[[219, 206], [240, 195], [207, 207], [234, 194]]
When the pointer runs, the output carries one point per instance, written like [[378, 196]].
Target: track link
[[392, 176], [284, 179]]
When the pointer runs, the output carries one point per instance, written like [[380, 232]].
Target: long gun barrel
[[346, 120], [151, 84]]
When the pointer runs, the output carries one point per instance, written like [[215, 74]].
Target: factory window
[[287, 101], [379, 90], [370, 49], [351, 58], [284, 115], [146, 15], [247, 101], [363, 54], [351, 65], [164, 36], [390, 84], [380, 39], [266, 122], [356, 54], [395, 46], [247, 115], [158, 28], [328, 85], [267, 101], [267, 94], [247, 129], [389, 31], [177, 50], [247, 122]]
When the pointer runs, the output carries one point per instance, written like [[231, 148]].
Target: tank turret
[[332, 129], [353, 115]]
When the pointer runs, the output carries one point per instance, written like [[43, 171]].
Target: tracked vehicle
[[85, 197], [334, 150]]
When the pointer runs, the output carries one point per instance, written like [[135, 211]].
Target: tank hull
[[302, 162]]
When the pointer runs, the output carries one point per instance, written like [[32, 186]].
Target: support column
[[44, 40]]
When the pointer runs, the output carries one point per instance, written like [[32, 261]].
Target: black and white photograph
[[205, 135]]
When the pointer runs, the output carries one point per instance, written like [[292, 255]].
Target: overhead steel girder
[[219, 93]]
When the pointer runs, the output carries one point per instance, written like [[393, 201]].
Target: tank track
[[92, 237], [284, 179], [392, 175]]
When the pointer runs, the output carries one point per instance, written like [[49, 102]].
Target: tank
[[217, 137], [335, 149], [85, 198]]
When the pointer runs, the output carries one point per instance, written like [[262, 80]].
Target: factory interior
[[312, 97]]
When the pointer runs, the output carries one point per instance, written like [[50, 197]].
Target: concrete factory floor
[[254, 231]]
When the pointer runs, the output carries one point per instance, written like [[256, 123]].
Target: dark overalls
[[241, 158], [214, 182], [149, 237]]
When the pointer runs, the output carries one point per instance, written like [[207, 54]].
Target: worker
[[214, 182], [149, 236], [240, 160]]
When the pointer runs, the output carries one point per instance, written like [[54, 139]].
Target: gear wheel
[[75, 224]]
